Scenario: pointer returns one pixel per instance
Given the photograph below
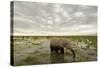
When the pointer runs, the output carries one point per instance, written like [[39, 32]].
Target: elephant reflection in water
[[57, 58]]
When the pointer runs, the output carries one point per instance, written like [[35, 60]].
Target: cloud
[[85, 26], [47, 18], [50, 22], [79, 14]]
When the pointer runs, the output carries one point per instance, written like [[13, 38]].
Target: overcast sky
[[31, 18]]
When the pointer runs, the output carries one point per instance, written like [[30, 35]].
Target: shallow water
[[32, 50]]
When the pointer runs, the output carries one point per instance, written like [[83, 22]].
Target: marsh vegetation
[[29, 50]]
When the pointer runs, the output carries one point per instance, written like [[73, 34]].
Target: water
[[36, 50]]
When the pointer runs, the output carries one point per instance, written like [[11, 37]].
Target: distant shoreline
[[56, 36]]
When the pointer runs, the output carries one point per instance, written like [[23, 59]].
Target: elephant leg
[[57, 50], [62, 50], [52, 49]]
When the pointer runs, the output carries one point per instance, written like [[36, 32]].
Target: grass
[[35, 49]]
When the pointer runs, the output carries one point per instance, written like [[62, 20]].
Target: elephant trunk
[[73, 52]]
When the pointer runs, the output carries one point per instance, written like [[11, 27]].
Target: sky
[[38, 18]]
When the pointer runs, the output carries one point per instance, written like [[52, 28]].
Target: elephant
[[58, 45]]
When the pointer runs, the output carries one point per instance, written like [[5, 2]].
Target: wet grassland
[[30, 50]]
